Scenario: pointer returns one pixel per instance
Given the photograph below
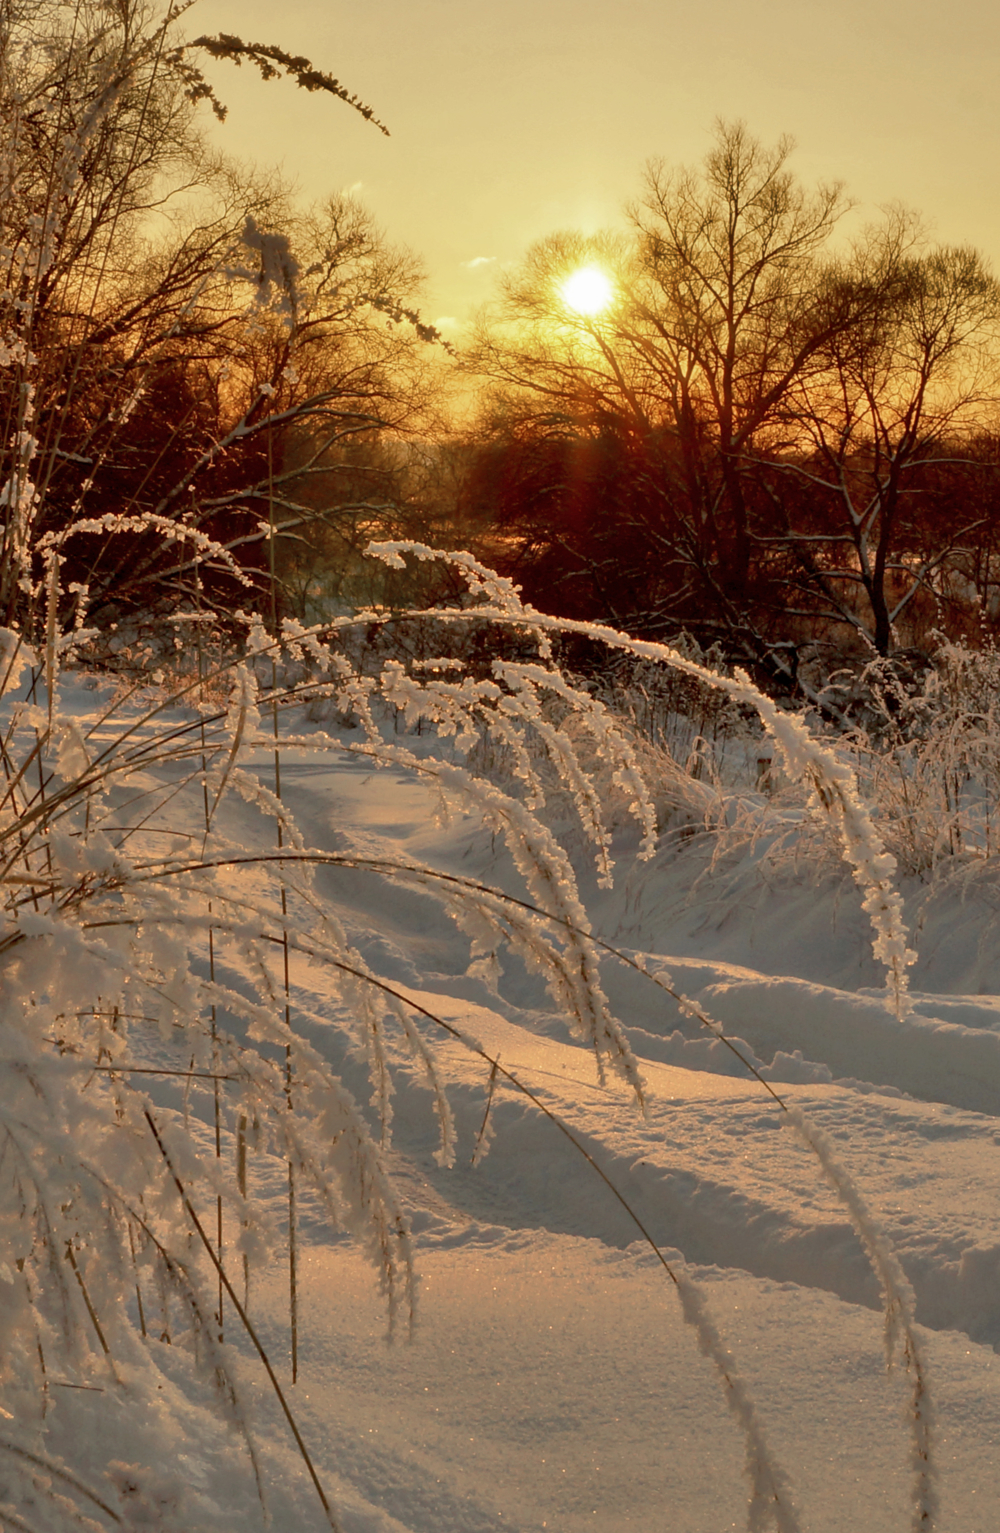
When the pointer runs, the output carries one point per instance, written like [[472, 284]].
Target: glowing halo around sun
[[587, 290]]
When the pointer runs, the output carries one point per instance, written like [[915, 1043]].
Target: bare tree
[[168, 354], [904, 392], [723, 301], [733, 310]]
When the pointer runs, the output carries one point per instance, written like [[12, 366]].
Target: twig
[[247, 1325]]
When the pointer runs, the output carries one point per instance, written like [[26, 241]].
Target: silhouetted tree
[[181, 351], [904, 392], [721, 303]]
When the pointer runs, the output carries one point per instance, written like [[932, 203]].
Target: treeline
[[778, 438], [769, 437]]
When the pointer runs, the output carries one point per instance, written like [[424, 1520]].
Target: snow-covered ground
[[550, 1382]]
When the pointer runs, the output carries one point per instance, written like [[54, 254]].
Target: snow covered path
[[551, 1383]]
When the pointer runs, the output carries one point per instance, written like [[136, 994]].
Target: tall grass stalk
[[293, 1254], [102, 881]]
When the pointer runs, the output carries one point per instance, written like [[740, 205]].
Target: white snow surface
[[550, 1382]]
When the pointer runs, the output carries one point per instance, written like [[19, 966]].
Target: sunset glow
[[587, 291]]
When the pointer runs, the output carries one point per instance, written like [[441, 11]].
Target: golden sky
[[517, 118]]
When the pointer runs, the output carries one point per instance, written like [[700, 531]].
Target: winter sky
[[516, 118]]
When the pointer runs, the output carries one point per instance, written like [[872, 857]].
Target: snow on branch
[[272, 62]]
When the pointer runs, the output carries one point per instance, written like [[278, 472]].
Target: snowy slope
[[551, 1382]]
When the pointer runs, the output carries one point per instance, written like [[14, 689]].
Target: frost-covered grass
[[246, 974], [321, 950]]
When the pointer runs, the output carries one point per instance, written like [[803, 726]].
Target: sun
[[587, 290]]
